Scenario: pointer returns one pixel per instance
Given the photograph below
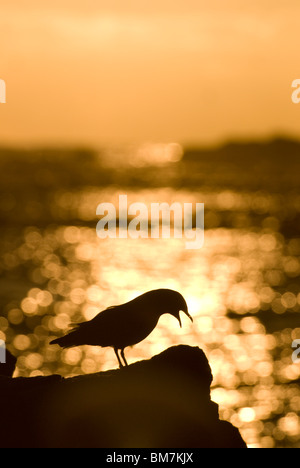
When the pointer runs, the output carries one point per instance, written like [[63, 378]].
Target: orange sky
[[98, 72]]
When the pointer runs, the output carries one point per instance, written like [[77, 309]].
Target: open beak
[[189, 316], [186, 313]]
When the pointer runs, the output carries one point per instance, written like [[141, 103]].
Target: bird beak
[[191, 318], [186, 313]]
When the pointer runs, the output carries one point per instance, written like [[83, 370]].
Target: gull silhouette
[[126, 324]]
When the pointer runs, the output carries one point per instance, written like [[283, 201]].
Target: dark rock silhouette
[[126, 324], [163, 402], [7, 368]]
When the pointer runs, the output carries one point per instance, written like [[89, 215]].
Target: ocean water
[[242, 289]]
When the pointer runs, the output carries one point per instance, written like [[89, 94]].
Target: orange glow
[[98, 75], [132, 88]]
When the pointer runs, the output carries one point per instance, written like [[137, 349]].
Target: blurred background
[[163, 101]]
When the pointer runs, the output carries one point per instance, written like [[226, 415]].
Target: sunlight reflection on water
[[237, 286]]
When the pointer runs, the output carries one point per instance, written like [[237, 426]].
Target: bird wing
[[100, 331], [117, 326], [123, 325]]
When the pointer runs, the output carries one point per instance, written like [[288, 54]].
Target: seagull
[[126, 324]]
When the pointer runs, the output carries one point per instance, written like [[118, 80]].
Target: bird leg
[[119, 360], [123, 356]]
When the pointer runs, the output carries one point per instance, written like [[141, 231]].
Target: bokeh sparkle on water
[[241, 288]]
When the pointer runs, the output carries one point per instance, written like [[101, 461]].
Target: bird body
[[126, 324]]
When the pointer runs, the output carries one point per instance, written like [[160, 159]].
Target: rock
[[159, 403], [7, 368]]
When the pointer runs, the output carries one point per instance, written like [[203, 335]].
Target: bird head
[[164, 301], [177, 303]]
